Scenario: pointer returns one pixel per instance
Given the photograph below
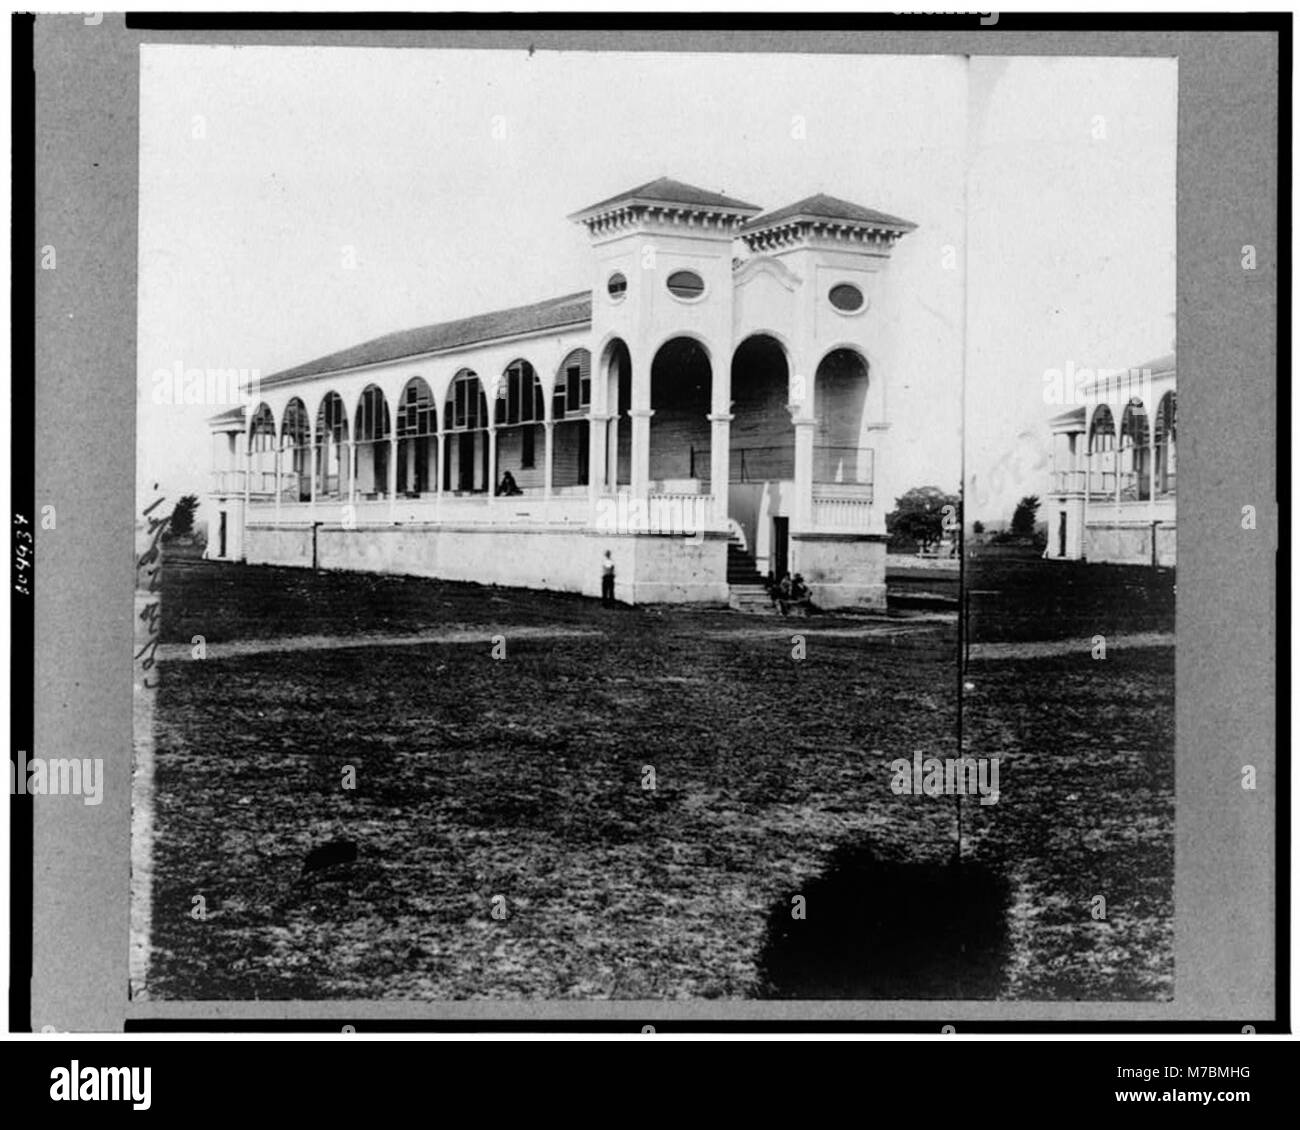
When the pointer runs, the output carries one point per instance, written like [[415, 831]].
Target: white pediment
[[764, 266]]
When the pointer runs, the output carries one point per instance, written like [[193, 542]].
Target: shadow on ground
[[880, 930]]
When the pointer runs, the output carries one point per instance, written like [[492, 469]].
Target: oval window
[[686, 284], [617, 286], [847, 297]]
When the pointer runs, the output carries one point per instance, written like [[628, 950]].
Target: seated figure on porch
[[508, 485]]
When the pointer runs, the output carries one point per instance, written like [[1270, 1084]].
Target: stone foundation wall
[[1127, 544], [842, 570], [648, 568]]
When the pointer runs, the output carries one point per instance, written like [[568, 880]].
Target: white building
[[712, 408], [1114, 469]]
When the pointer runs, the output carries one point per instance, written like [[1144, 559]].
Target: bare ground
[[518, 783]]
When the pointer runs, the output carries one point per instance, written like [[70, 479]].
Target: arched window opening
[[762, 432], [571, 435], [417, 438], [261, 452], [1134, 454], [332, 470], [616, 372], [520, 410], [681, 396], [372, 433], [465, 415], [1166, 443], [1101, 452], [295, 456], [840, 402]]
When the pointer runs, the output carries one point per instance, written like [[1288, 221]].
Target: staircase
[[748, 589]]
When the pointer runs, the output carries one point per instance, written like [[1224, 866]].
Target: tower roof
[[827, 208], [666, 191]]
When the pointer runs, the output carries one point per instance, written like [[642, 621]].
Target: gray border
[[86, 170]]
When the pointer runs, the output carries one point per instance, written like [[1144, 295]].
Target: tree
[[978, 527], [922, 517], [182, 521], [1025, 516]]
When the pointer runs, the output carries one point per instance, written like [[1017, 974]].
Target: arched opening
[[417, 439], [762, 433], [295, 455], [760, 495], [261, 451], [372, 432], [465, 419], [332, 470], [571, 435], [1134, 453], [1101, 452], [520, 410], [839, 403], [618, 428], [681, 396], [1166, 443]]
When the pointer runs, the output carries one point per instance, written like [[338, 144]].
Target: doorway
[[1060, 550], [780, 547], [221, 539]]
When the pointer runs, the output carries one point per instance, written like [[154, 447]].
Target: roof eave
[[277, 379], [592, 213], [902, 227]]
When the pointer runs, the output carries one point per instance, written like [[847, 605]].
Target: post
[[640, 471], [548, 468], [311, 474], [442, 461], [720, 464], [392, 477], [597, 465], [248, 475], [803, 470]]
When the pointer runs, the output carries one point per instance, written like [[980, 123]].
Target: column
[[804, 428], [597, 465], [279, 487], [248, 476], [352, 470], [548, 472], [492, 464], [442, 478], [640, 471], [392, 477], [720, 464], [881, 496], [311, 472]]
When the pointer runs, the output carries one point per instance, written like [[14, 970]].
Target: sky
[[1071, 248], [451, 174], [295, 201]]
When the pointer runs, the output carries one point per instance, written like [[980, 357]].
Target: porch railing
[[842, 506]]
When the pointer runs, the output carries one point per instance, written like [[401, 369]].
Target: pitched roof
[[1073, 416], [567, 310], [664, 190], [230, 416], [823, 207], [1162, 364]]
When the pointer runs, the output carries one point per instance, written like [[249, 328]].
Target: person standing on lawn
[[607, 580]]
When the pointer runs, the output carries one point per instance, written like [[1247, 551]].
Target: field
[[555, 800]]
